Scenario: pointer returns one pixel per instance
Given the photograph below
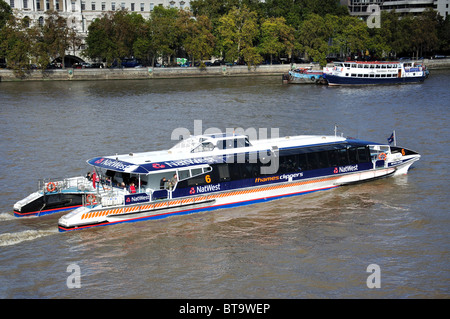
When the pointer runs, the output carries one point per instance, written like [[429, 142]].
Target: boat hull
[[86, 217], [335, 80], [39, 204]]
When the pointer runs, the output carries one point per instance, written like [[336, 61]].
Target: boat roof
[[207, 149]]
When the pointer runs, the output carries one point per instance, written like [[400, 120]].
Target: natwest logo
[[345, 169]]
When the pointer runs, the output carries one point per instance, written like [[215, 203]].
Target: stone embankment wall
[[164, 73], [144, 73]]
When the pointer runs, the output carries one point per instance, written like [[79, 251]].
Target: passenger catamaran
[[214, 171]]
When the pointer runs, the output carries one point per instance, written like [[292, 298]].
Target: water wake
[[6, 216], [8, 239]]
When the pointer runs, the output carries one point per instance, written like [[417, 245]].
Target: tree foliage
[[248, 31]]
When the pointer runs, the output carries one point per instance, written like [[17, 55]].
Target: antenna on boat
[[335, 130]]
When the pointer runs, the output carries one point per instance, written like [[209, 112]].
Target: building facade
[[81, 13], [359, 7]]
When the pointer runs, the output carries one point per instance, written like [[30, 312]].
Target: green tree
[[276, 37], [5, 13], [113, 36], [352, 35], [165, 33], [55, 34], [15, 46], [313, 38], [238, 31], [198, 40]]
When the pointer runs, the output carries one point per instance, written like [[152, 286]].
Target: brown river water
[[317, 245]]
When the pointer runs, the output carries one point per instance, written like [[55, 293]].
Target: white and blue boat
[[305, 76], [375, 73], [213, 171]]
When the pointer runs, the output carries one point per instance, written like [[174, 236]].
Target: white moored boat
[[374, 72], [223, 170]]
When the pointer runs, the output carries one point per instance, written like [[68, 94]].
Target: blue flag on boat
[[391, 138]]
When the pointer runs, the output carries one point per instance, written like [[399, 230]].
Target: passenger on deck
[[173, 182], [162, 183], [132, 188]]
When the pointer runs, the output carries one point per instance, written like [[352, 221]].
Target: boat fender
[[51, 187], [90, 198], [382, 156]]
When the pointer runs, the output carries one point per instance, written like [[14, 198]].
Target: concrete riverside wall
[[70, 74], [144, 73]]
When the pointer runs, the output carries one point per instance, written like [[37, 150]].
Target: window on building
[[38, 5], [73, 6], [152, 5], [132, 7], [25, 4], [122, 5], [103, 6], [83, 5], [93, 6], [11, 4], [142, 6], [113, 6]]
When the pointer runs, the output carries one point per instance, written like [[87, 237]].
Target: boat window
[[389, 66], [377, 66], [383, 75], [183, 174], [366, 66], [372, 66], [363, 155], [353, 74], [377, 75], [353, 65], [352, 156], [360, 66], [207, 169], [394, 75], [360, 75], [204, 147], [383, 66], [366, 75], [224, 173], [347, 65], [288, 164], [196, 171], [389, 75], [372, 75]]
